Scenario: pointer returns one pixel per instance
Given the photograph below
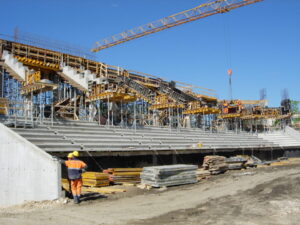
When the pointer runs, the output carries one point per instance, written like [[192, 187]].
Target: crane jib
[[201, 11]]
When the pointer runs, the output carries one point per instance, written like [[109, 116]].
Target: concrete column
[[154, 159], [174, 158]]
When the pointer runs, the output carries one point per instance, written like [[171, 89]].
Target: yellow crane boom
[[201, 11]]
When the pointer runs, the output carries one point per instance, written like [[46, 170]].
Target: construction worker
[[75, 168], [75, 153]]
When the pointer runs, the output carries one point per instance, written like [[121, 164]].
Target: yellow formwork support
[[207, 98], [229, 115], [38, 63], [202, 110], [33, 78], [3, 106], [166, 106], [37, 87], [147, 84], [113, 97], [162, 101], [138, 96]]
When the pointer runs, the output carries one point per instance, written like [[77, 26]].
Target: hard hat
[[70, 155], [75, 153]]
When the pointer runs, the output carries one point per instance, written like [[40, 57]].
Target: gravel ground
[[257, 196]]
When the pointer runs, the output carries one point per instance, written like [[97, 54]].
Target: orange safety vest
[[75, 167]]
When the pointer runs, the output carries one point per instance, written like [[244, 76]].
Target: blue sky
[[260, 42]]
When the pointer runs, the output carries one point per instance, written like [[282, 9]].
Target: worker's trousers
[[76, 186]]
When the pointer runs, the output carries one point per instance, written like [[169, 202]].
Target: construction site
[[123, 122]]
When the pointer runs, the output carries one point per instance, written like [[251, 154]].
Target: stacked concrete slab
[[169, 175]]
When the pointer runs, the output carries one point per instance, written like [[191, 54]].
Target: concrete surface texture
[[27, 172], [288, 137]]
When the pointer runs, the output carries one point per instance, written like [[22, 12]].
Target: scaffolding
[[113, 96]]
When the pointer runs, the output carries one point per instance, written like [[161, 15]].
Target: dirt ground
[[264, 196]]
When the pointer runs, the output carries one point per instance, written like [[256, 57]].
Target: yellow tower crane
[[201, 11]]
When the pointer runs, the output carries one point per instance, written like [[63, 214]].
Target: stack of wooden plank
[[95, 179], [124, 175], [215, 164], [103, 190], [202, 174], [170, 175]]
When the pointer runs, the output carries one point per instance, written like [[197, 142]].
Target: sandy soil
[[257, 196]]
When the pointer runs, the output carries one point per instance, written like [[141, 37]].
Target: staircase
[[66, 108], [15, 68], [76, 79], [176, 94], [80, 80], [146, 93]]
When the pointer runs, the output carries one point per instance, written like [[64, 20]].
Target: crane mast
[[201, 11]]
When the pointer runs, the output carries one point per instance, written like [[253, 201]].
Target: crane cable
[[227, 45], [97, 163]]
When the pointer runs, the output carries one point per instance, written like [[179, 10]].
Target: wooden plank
[[126, 169]]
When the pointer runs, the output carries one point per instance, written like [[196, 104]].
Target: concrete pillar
[[154, 160], [174, 158]]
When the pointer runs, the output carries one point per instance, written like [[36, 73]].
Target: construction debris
[[144, 186], [244, 174], [249, 160], [126, 184], [257, 161], [215, 164], [102, 190], [170, 175], [124, 175], [236, 162], [164, 188]]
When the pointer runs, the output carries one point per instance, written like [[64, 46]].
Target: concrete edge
[[38, 151], [36, 148]]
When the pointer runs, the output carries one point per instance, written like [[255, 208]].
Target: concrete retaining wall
[[27, 173]]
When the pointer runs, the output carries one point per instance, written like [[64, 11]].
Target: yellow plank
[[95, 182], [126, 169], [95, 175], [202, 110], [97, 190], [112, 189], [37, 63], [126, 173]]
